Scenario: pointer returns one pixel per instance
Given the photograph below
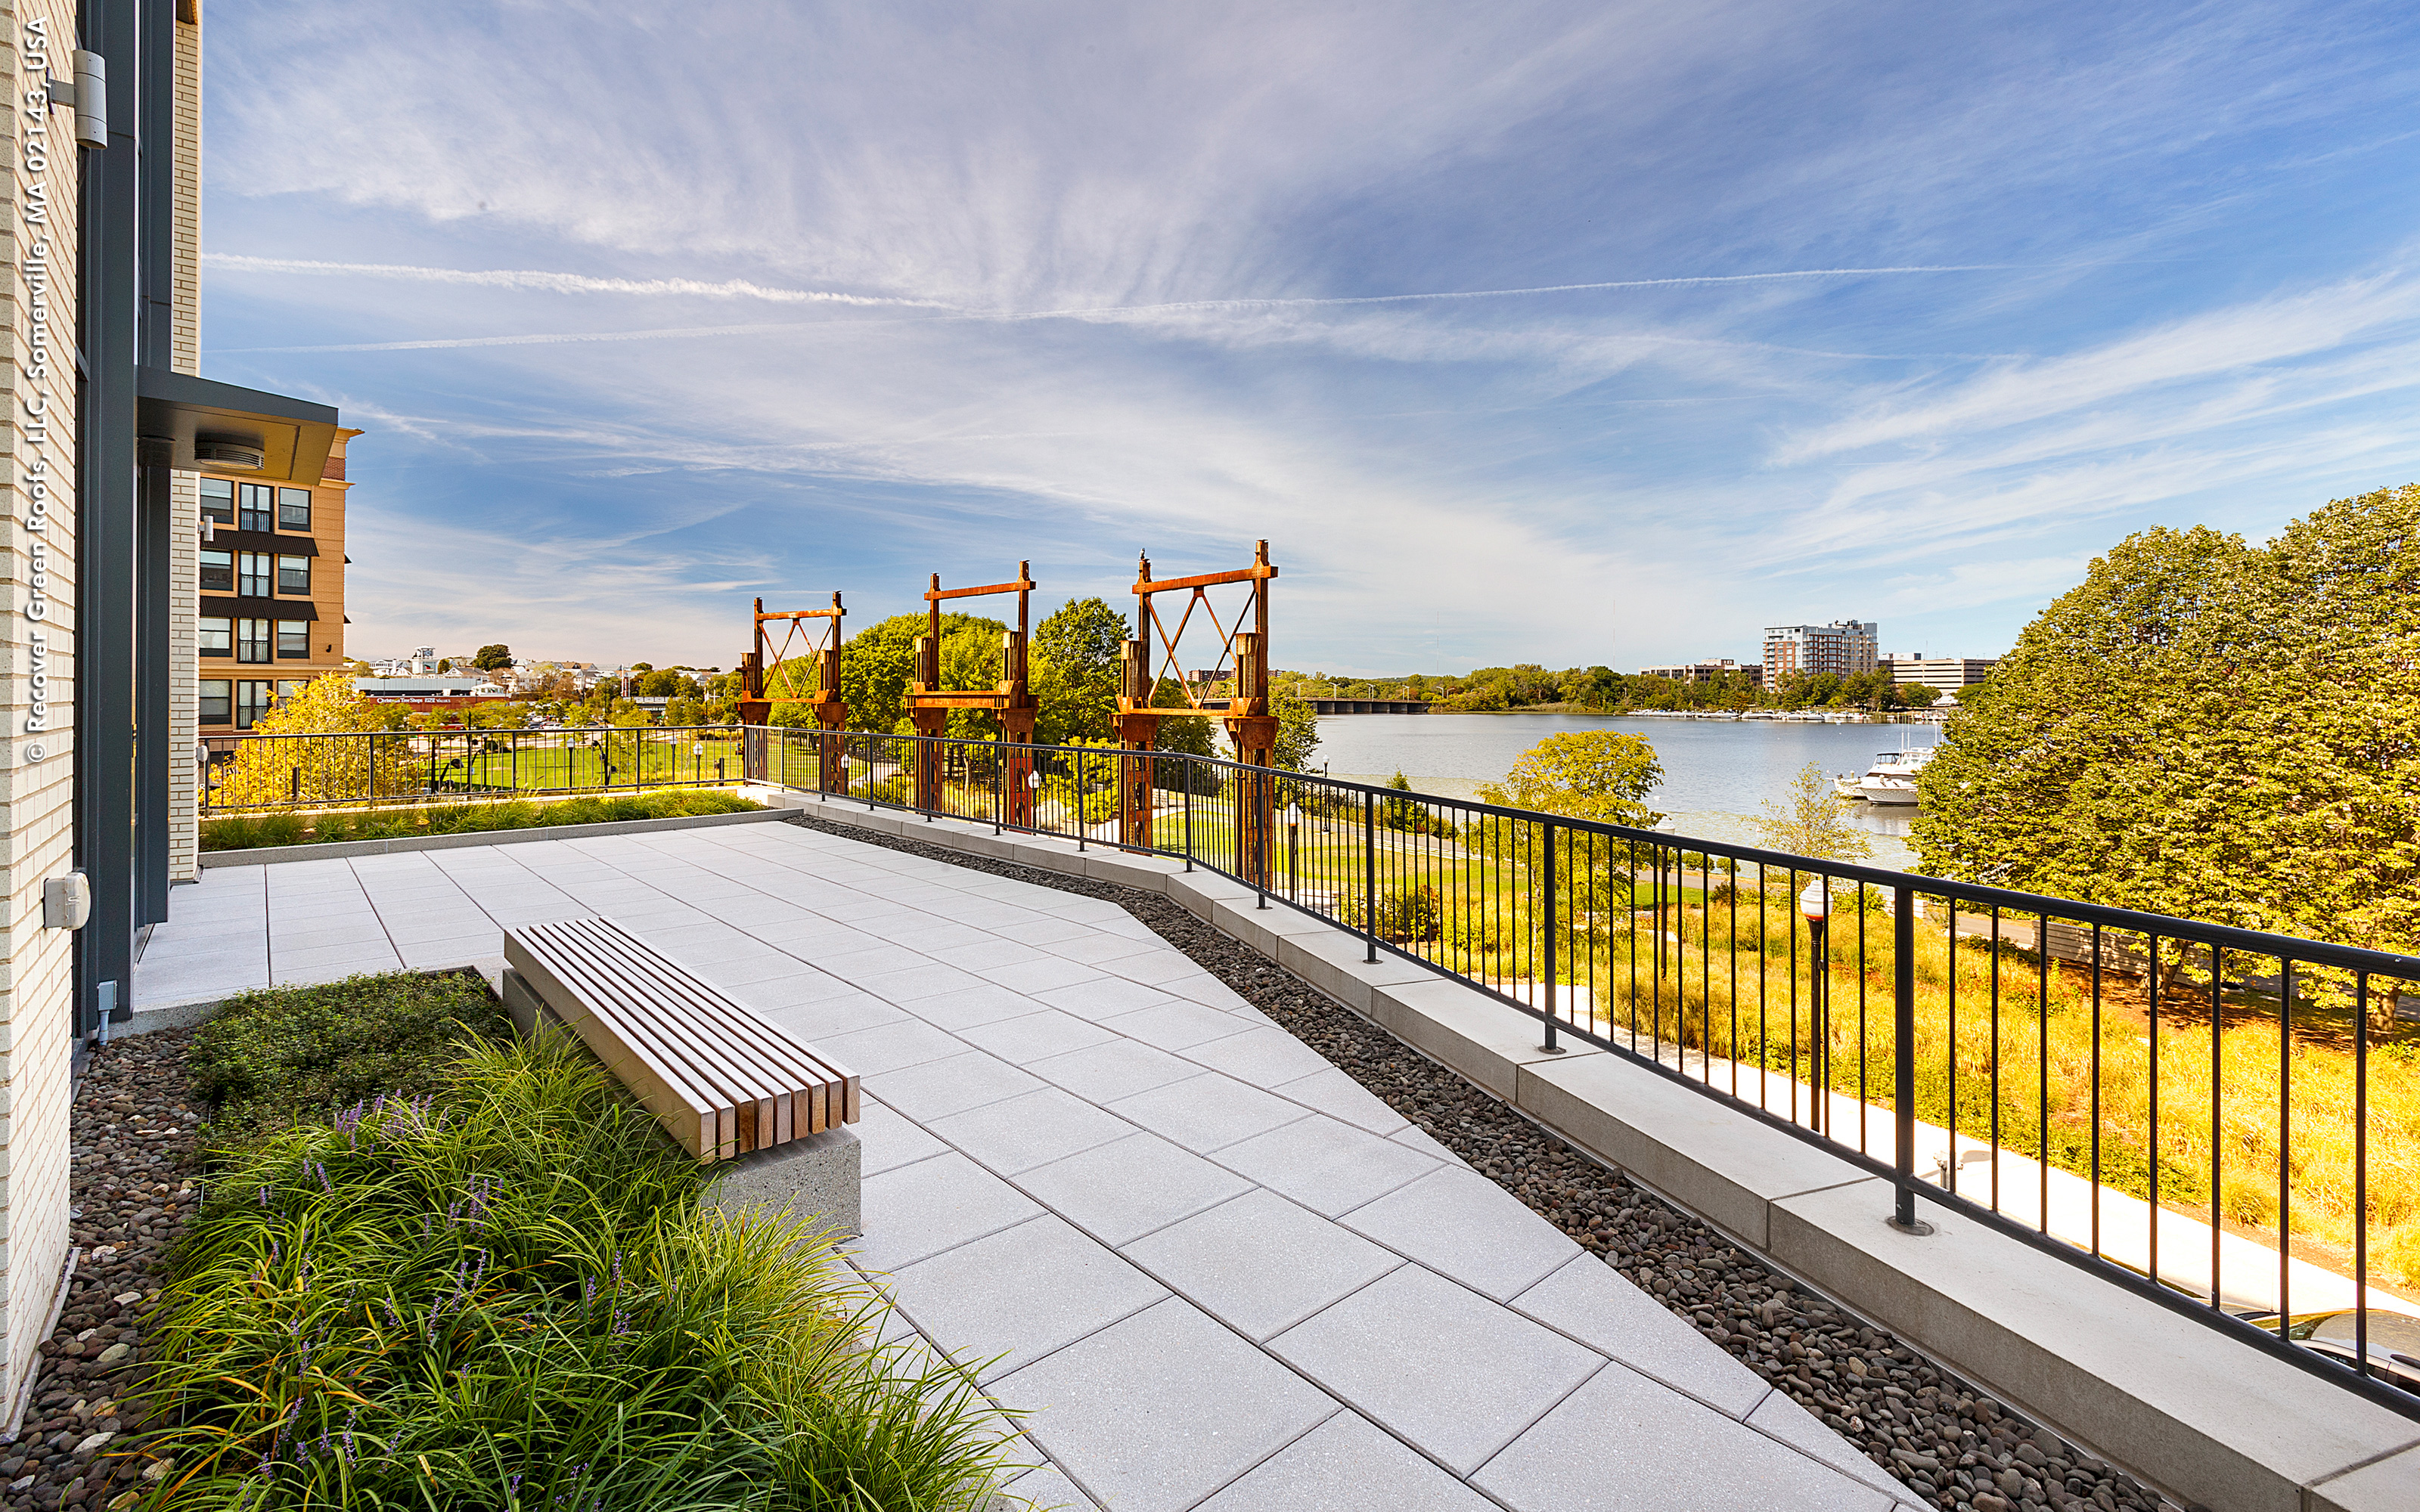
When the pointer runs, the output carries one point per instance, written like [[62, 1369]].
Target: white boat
[[1891, 779]]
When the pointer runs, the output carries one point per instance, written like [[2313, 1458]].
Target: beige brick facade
[[184, 494], [38, 587]]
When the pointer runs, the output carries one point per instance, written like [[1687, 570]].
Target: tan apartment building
[[270, 592]]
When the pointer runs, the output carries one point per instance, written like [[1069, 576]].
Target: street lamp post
[[1814, 904]]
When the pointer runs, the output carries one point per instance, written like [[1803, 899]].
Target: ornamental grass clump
[[509, 1294]]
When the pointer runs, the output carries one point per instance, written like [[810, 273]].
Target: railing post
[[1079, 797], [1369, 873], [1547, 939], [1904, 1058]]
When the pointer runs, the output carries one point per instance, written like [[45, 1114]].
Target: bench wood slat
[[721, 1078]]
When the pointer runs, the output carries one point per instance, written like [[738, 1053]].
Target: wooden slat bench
[[725, 1082]]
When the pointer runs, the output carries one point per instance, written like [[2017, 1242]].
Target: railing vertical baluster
[[2152, 992], [1369, 875], [1191, 768], [1547, 939], [2284, 1141], [2041, 1069], [1903, 1052], [2361, 1170], [1996, 1057], [2217, 1111], [2095, 1089]]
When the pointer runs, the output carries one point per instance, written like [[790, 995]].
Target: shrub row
[[245, 831]]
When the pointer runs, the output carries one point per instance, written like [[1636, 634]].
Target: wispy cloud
[[1546, 331]]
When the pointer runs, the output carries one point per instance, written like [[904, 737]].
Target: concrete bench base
[[817, 1180]]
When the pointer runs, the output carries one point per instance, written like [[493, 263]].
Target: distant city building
[[426, 690], [1843, 648], [1707, 671], [1945, 673]]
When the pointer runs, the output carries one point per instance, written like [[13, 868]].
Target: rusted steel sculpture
[[825, 702], [929, 704], [1235, 689]]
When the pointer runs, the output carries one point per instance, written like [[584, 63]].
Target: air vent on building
[[227, 452]]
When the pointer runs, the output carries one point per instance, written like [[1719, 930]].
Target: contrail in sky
[[742, 289], [562, 283]]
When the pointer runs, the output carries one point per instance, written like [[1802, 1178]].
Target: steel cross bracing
[[831, 713], [1243, 664]]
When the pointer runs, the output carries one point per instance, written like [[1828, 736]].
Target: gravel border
[[1950, 1444], [131, 1189]]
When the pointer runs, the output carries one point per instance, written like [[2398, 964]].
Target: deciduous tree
[[2206, 728], [1602, 775]]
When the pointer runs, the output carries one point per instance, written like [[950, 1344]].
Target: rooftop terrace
[[1215, 1271]]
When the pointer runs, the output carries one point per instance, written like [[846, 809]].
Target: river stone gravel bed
[[131, 1190], [1948, 1442]]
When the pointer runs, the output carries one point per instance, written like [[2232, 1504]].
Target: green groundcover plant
[[286, 1052], [508, 1293], [240, 832]]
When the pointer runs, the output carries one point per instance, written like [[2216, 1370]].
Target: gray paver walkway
[[1216, 1273]]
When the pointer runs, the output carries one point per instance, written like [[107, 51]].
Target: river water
[[1717, 774]]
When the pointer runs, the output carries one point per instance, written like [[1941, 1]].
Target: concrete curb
[[2172, 1402], [338, 850]]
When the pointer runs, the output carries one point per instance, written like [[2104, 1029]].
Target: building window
[[252, 640], [294, 509], [216, 637], [218, 501], [287, 689], [293, 638], [259, 506], [293, 574], [252, 701], [218, 571], [217, 695], [252, 569]]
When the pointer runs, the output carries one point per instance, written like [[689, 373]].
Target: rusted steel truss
[[803, 638], [929, 704], [1235, 689]]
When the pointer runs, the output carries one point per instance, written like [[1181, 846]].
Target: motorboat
[[1891, 780]]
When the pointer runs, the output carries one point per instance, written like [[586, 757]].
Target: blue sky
[[1572, 333]]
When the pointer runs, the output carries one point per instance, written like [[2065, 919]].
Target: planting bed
[[1950, 1444]]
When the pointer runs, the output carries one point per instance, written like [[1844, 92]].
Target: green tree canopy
[[1813, 820], [1073, 663], [1601, 774], [2211, 730], [491, 658]]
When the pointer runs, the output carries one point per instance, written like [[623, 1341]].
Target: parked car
[[2393, 1341]]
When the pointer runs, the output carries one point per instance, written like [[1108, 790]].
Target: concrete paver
[[1217, 1271]]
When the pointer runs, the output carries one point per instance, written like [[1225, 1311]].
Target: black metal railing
[[253, 773], [2222, 1120]]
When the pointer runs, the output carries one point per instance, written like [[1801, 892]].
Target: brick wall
[[184, 492], [37, 578]]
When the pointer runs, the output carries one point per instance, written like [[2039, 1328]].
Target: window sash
[[218, 500], [218, 572], [293, 574], [252, 574], [216, 704], [252, 640], [214, 637], [294, 638], [294, 509], [252, 701], [259, 511]]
